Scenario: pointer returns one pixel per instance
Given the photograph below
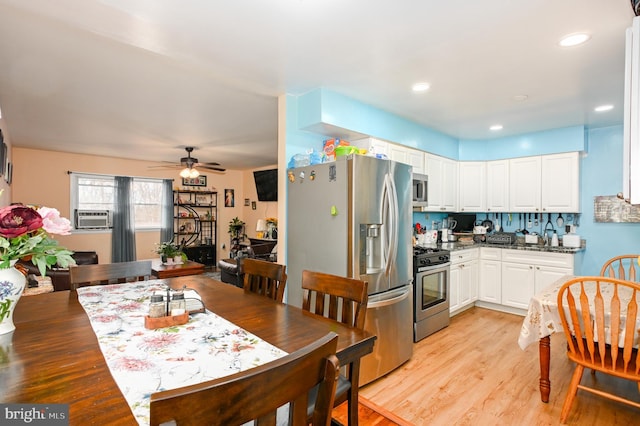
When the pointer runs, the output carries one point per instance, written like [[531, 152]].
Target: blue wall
[[310, 115]]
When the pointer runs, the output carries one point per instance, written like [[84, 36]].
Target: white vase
[[12, 283]]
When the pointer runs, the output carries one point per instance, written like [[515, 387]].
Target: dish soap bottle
[[554, 239]]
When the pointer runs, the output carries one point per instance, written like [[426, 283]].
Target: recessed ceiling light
[[520, 98], [574, 39], [420, 87], [496, 127], [603, 108]]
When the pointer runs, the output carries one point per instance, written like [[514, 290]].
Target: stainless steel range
[[431, 291]]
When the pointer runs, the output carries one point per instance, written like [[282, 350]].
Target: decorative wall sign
[[246, 202], [198, 181], [229, 200], [253, 205], [612, 209]]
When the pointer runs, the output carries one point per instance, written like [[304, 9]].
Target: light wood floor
[[474, 373]]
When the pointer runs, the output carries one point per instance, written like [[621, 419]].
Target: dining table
[[54, 355], [543, 319]]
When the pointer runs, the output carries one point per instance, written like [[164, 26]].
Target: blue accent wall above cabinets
[[566, 139], [322, 110]]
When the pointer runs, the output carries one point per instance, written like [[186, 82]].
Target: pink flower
[[17, 220], [53, 223]]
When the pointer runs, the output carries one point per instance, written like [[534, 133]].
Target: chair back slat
[[622, 267], [109, 273], [587, 323], [265, 278], [339, 298], [630, 330], [600, 318], [615, 325], [257, 393]]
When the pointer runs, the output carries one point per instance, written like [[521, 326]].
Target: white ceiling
[[145, 78]]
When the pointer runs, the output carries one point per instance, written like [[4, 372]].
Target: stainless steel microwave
[[419, 190]]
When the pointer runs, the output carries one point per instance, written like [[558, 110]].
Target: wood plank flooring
[[474, 373]]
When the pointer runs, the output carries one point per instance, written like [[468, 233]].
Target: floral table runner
[[145, 361]]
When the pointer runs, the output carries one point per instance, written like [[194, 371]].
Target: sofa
[[60, 276], [231, 269]]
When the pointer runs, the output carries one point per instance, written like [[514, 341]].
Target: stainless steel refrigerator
[[352, 218]]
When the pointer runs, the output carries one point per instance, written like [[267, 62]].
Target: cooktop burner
[[429, 256], [422, 250]]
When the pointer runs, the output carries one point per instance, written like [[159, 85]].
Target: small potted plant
[[170, 252]]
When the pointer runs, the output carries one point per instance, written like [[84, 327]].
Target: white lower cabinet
[[463, 279], [518, 284], [525, 273], [490, 286], [509, 278]]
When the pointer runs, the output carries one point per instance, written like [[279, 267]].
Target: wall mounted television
[[266, 184]]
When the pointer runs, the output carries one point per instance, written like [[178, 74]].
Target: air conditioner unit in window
[[93, 219]]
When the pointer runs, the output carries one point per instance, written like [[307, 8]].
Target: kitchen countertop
[[455, 246]]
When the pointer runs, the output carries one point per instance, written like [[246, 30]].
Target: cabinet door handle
[[530, 267]]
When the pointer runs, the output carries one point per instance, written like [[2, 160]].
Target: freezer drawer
[[390, 318]]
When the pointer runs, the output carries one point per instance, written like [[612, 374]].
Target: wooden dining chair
[[345, 300], [264, 278], [599, 316], [622, 267], [258, 392], [109, 273]]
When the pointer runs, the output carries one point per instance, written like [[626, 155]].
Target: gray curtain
[[123, 234], [166, 230]]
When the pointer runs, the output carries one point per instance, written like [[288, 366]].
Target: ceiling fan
[[190, 165]]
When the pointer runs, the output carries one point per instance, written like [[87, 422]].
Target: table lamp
[[261, 227]]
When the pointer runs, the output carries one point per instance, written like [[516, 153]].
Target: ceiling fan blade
[[214, 168], [209, 164], [167, 166]]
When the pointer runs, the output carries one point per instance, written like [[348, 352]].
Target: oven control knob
[[444, 258], [424, 261]]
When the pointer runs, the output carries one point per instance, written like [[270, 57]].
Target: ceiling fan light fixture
[[194, 173], [185, 172]]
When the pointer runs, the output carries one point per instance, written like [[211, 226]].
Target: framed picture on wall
[[253, 205], [229, 200], [9, 173], [3, 158], [197, 181]]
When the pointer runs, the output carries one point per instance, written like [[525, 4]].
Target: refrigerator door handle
[[392, 209], [403, 293]]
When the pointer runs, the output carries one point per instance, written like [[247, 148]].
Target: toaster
[[571, 240]]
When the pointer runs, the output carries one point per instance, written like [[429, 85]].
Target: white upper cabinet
[[498, 186], [416, 159], [373, 145], [472, 186], [443, 183], [410, 156], [561, 183], [524, 184], [398, 153], [547, 183]]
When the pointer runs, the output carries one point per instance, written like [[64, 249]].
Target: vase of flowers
[[272, 228], [24, 234]]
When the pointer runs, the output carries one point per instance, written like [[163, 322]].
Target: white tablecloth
[[543, 317], [144, 361]]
